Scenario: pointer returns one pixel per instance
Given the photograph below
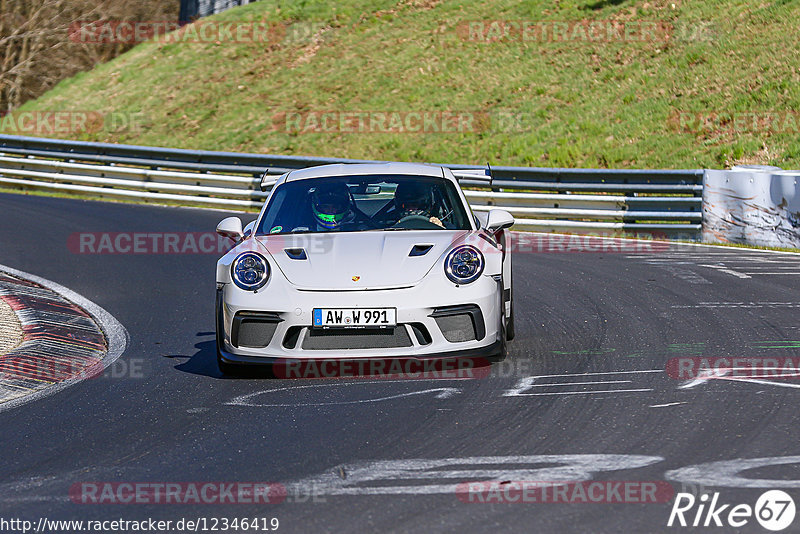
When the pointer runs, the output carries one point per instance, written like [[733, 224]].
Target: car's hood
[[358, 260]]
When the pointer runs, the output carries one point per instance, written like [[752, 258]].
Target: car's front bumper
[[422, 332]]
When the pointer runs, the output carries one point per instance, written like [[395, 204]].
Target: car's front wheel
[[503, 351], [224, 367], [510, 332]]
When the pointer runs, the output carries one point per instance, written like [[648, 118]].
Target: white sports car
[[365, 261]]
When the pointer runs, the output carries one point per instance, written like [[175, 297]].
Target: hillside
[[670, 84]]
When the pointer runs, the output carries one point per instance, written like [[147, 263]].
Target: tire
[[510, 332], [503, 352], [229, 369], [226, 368], [499, 357]]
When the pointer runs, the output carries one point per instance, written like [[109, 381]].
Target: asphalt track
[[597, 329]]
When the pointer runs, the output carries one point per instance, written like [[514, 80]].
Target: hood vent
[[420, 250], [296, 253]]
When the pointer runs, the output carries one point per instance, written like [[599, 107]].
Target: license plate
[[354, 317]]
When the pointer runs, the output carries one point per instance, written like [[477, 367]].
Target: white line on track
[[115, 333], [772, 267], [580, 383], [748, 262], [740, 305], [722, 249], [723, 269], [246, 400], [765, 382], [529, 382], [724, 373], [781, 274], [581, 392], [605, 373]]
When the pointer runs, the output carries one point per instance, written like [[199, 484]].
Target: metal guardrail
[[665, 202]]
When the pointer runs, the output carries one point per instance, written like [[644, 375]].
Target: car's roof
[[349, 169]]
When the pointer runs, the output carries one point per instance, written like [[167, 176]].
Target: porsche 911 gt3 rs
[[364, 261]]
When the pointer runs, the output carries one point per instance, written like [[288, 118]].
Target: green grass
[[573, 104], [745, 245]]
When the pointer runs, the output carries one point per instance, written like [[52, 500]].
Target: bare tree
[[38, 44]]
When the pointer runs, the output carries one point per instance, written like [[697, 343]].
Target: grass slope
[[575, 103]]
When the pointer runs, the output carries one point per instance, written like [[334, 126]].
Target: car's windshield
[[361, 203]]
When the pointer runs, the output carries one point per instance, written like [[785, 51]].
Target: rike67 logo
[[774, 510]]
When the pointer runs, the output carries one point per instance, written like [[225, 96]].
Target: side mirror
[[249, 228], [480, 218], [498, 220], [231, 228]]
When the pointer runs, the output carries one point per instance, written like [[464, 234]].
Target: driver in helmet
[[414, 199], [332, 206]]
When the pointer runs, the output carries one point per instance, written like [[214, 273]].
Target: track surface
[[169, 417]]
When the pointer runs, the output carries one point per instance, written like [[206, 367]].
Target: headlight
[[250, 271], [464, 264]]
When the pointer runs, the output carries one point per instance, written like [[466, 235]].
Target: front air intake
[[345, 339], [456, 328], [254, 329], [420, 250], [296, 253]]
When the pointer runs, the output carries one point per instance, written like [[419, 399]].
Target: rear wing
[[482, 176], [268, 180]]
